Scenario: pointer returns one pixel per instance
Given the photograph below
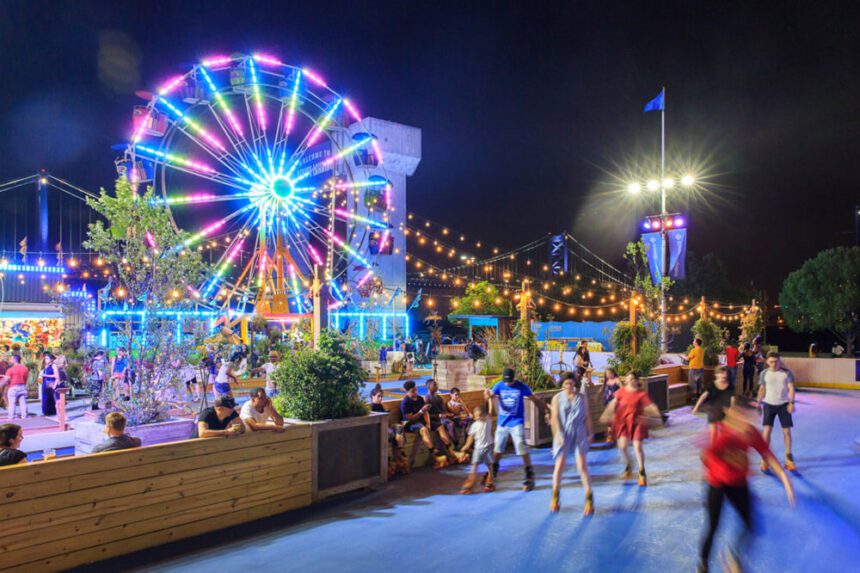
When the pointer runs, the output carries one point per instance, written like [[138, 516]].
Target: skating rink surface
[[421, 522]]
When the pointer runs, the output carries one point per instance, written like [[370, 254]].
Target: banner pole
[[664, 337]]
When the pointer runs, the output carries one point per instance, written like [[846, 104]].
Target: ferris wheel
[[273, 173]]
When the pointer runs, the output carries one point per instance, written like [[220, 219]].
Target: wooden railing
[[64, 513]]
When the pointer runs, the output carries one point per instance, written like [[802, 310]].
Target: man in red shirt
[[16, 376], [732, 354], [726, 468]]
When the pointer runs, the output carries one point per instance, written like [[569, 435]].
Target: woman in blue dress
[[571, 433], [50, 379]]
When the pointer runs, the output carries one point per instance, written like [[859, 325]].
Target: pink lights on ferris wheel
[[263, 140]]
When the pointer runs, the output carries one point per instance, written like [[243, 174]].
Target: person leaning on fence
[[259, 414], [416, 419], [220, 420], [10, 440], [117, 438]]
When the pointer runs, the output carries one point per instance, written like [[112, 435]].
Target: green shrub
[[624, 361], [712, 339], [320, 384]]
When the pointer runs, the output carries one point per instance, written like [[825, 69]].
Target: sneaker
[[643, 481], [555, 502], [589, 505], [789, 463]]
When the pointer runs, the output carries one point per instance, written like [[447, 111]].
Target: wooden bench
[[68, 512]]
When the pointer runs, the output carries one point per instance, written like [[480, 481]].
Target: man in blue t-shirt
[[509, 402]]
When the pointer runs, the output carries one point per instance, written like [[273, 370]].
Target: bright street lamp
[[687, 180], [668, 183], [634, 188], [653, 185]]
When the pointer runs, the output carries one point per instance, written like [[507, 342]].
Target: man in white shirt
[[259, 414], [776, 399], [269, 367]]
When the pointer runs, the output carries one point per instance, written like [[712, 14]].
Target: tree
[[712, 337], [646, 332], [481, 298], [824, 294], [709, 276], [752, 324], [151, 271], [526, 358]]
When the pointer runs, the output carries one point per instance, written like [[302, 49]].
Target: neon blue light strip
[[10, 267]]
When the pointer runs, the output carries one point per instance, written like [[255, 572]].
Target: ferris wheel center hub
[[282, 188]]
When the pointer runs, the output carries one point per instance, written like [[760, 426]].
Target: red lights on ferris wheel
[[671, 221]]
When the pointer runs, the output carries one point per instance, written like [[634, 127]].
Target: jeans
[[732, 372], [696, 376], [17, 395]]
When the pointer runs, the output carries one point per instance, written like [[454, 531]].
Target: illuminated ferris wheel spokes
[[247, 126]]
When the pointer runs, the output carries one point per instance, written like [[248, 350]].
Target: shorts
[[517, 434], [222, 387], [483, 455], [190, 381], [570, 445], [414, 427], [770, 412]]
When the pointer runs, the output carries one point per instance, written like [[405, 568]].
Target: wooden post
[[524, 303], [320, 308], [61, 409], [634, 343], [703, 309]]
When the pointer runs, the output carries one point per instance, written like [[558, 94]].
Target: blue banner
[[653, 246], [677, 253]]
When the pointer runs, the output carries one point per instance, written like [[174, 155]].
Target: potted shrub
[[321, 387], [712, 337], [452, 370]]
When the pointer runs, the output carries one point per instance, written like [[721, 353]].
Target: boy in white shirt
[[481, 436], [269, 367]]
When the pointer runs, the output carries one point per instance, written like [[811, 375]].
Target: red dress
[[627, 421]]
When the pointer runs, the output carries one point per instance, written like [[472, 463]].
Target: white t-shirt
[[268, 368], [249, 412], [222, 377], [482, 434], [776, 385]]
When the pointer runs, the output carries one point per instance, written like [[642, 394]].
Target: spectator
[[383, 359], [119, 370], [259, 414], [838, 350], [50, 382], [10, 440], [439, 420], [461, 416], [696, 359], [117, 438], [269, 367], [220, 420], [583, 361], [188, 374], [416, 419], [16, 394], [98, 368], [732, 353], [223, 379], [398, 462]]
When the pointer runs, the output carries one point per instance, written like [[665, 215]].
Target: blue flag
[[656, 104]]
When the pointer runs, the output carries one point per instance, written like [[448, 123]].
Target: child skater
[[630, 411], [481, 437], [716, 399], [726, 469], [571, 433]]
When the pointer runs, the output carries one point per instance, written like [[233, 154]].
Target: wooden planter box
[[453, 373], [537, 431], [89, 433], [348, 454], [657, 386]]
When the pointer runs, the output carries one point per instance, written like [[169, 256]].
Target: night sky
[[531, 113]]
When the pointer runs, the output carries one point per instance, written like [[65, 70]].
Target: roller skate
[[468, 485], [529, 482], [441, 460], [555, 502], [403, 466], [643, 481], [489, 487], [789, 463], [589, 505], [627, 473]]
